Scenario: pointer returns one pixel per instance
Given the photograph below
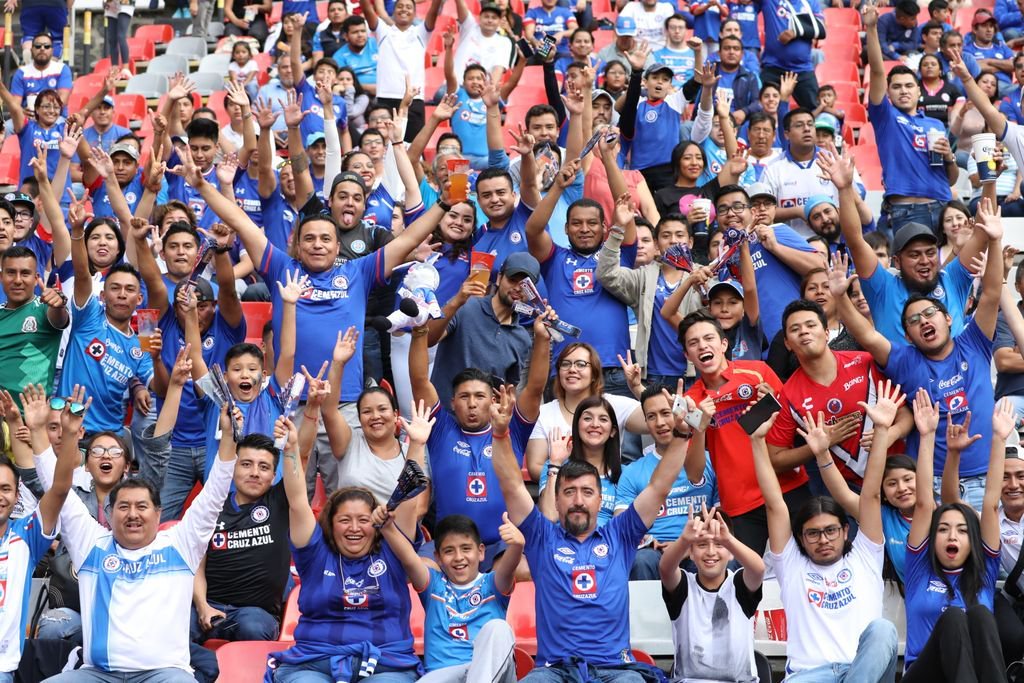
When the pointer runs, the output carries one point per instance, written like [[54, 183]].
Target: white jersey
[[21, 546], [794, 182], [828, 606], [136, 604], [1010, 537], [475, 48], [400, 56], [650, 26]]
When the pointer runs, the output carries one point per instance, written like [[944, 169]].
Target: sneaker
[[177, 14], [124, 75]]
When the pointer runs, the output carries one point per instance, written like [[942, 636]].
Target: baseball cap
[[734, 285], [108, 100], [183, 139], [827, 121], [625, 26], [1013, 451], [348, 177], [314, 138], [203, 289], [813, 201], [910, 232], [490, 7], [982, 16], [599, 93], [521, 263], [761, 190], [125, 148], [20, 198], [658, 67]]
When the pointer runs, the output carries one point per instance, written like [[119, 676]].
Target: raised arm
[[870, 339], [369, 13], [293, 115], [450, 78], [290, 291], [419, 575], [68, 458], [301, 521], [419, 369], [537, 235], [537, 377], [266, 180], [651, 499], [819, 440], [138, 232], [994, 119], [51, 207], [839, 168], [396, 251], [926, 417], [883, 414], [876, 60], [990, 222], [779, 529], [510, 475], [18, 117], [1003, 421], [79, 255]]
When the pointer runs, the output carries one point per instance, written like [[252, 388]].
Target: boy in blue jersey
[[470, 119], [465, 635], [325, 72], [694, 485], [581, 571], [203, 135]]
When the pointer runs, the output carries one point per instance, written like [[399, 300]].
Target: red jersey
[[727, 443], [856, 380]]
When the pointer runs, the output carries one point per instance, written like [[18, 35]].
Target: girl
[[951, 567], [595, 439], [117, 15], [615, 79], [957, 225], [243, 68], [356, 99], [579, 376], [692, 176], [937, 95]]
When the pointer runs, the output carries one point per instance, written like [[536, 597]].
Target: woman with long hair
[[957, 226], [594, 439], [938, 96], [952, 565], [578, 376]]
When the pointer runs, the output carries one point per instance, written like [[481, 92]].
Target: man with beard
[[581, 570], [462, 466], [794, 176], [470, 317], [916, 256], [46, 72], [952, 366]]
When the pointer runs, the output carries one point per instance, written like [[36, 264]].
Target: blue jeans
[[972, 489], [545, 675], [6, 677], [319, 671], [898, 215], [875, 661], [184, 469], [60, 623], [51, 18], [241, 623], [115, 43], [670, 382]]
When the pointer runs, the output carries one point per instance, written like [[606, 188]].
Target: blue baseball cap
[[734, 285], [814, 201], [314, 138], [625, 26]]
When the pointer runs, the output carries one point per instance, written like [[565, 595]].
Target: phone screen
[[759, 413]]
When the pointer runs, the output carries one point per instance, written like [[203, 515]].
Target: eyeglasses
[[831, 533], [23, 214], [48, 106], [578, 364], [47, 46], [915, 319], [114, 452], [735, 207], [58, 403], [761, 203]]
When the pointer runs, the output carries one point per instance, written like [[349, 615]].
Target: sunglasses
[[58, 403]]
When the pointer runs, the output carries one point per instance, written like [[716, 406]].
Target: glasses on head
[[113, 452], [926, 313], [42, 46], [831, 533], [578, 364], [58, 403], [735, 207]]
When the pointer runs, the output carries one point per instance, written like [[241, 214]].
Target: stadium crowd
[[436, 300]]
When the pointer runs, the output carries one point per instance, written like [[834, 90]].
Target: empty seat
[[290, 618], [207, 83], [245, 661], [256, 313], [160, 34], [168, 64], [149, 85], [215, 63], [193, 48]]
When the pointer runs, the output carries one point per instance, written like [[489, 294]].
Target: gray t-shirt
[[361, 467]]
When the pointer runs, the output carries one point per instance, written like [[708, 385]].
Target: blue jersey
[[657, 131], [746, 14], [178, 189], [247, 196], [132, 195], [22, 545], [664, 352], [454, 616], [927, 595], [675, 511], [777, 283], [258, 417], [960, 382], [717, 157], [573, 289], [103, 359], [106, 139], [510, 239], [363, 63], [43, 251], [583, 583], [279, 219], [314, 123], [347, 601], [681, 62], [609, 491], [886, 294], [896, 527], [903, 150], [549, 22], [796, 54], [380, 207], [470, 124], [28, 81], [997, 50], [300, 7], [465, 482], [50, 137], [708, 25], [191, 431], [335, 302]]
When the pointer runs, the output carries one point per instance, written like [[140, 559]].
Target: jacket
[[746, 90]]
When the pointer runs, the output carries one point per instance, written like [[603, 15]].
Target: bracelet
[[79, 238], [682, 435], [246, 117], [821, 467], [553, 467], [221, 250], [444, 206], [503, 435], [307, 416]]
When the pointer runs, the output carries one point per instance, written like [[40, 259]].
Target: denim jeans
[[115, 42], [184, 469], [241, 623], [875, 661], [168, 675], [319, 671], [670, 382], [898, 215], [972, 489], [53, 19], [60, 623], [545, 675]]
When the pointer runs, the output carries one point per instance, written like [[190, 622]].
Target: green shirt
[[28, 347]]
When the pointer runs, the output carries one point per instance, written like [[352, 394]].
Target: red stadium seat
[[845, 92], [416, 618], [321, 10], [245, 661], [527, 93], [643, 657], [133, 106], [290, 618], [840, 16], [867, 135], [215, 644], [516, 114], [319, 496], [524, 663], [256, 313], [837, 72], [141, 50], [102, 66], [276, 11], [841, 36], [160, 34], [522, 618], [602, 9]]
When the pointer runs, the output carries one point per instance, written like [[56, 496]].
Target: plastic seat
[[149, 85], [527, 93], [10, 161], [256, 313], [132, 105], [524, 662], [102, 66], [188, 46], [417, 617], [215, 63], [290, 617], [840, 16], [245, 661], [522, 617], [159, 34], [168, 64], [867, 135], [214, 644], [321, 10], [837, 72], [141, 50], [208, 83], [643, 657], [846, 92]]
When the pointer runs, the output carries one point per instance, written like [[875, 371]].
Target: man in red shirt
[[829, 382], [733, 386]]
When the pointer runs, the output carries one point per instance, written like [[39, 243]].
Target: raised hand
[[1004, 420], [501, 410], [567, 174], [707, 75], [188, 169], [558, 446], [524, 141], [102, 162], [325, 95], [346, 345], [51, 296], [265, 115], [180, 87], [236, 94], [77, 215], [957, 66], [38, 163], [958, 436], [418, 428], [35, 406], [839, 276], [638, 55], [491, 95], [222, 234], [293, 112], [816, 435], [510, 533], [227, 169], [69, 143], [317, 388], [787, 85], [446, 108], [836, 167], [631, 370], [181, 372], [696, 525], [448, 39], [625, 210], [990, 219], [609, 143], [889, 399], [926, 413], [295, 285], [71, 420]]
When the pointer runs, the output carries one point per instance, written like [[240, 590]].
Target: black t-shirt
[[667, 198], [248, 558], [937, 104]]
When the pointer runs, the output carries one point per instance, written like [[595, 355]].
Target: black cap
[[490, 7], [521, 263], [910, 232], [20, 198], [348, 177]]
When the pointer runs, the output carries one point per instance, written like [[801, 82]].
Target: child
[[465, 635], [243, 68], [711, 610], [827, 104], [470, 119]]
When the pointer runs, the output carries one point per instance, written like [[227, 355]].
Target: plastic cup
[[934, 158], [480, 265], [148, 319], [701, 227], [983, 147], [458, 178]]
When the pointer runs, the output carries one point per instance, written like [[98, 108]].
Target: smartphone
[[546, 47], [525, 48], [759, 413]]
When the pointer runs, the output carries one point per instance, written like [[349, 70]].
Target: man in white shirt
[[481, 43], [650, 17], [1011, 533]]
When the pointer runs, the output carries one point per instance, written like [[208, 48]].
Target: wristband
[[552, 466], [821, 467], [682, 435], [444, 206], [307, 416], [221, 250], [503, 435]]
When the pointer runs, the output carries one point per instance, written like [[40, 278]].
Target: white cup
[[983, 147]]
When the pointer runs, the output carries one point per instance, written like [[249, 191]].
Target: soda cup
[[701, 227], [458, 178], [480, 265], [983, 147], [147, 319], [934, 158]]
